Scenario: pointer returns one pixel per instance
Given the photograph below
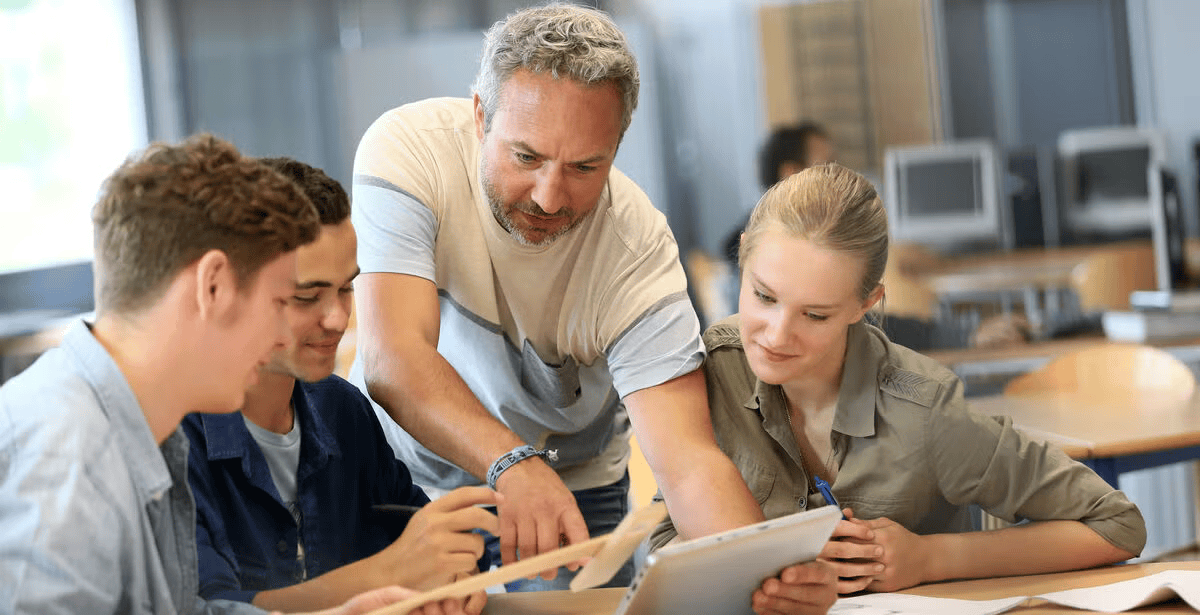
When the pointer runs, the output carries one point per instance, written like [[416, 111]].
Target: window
[[71, 110]]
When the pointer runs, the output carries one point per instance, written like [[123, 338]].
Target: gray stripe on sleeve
[[363, 179], [396, 232], [658, 305], [661, 345]]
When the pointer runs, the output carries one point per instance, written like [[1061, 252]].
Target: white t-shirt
[[548, 338], [282, 453]]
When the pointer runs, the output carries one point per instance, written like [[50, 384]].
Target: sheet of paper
[[1134, 593], [1111, 598], [904, 604]]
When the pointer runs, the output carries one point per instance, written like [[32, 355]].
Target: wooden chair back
[[904, 295], [1110, 372], [1104, 280]]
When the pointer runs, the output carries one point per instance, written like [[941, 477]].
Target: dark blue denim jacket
[[246, 537]]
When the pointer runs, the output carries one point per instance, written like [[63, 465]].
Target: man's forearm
[[704, 491], [711, 498], [424, 394], [329, 590]]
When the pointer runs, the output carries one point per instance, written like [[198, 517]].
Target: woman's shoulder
[[725, 333], [910, 375]]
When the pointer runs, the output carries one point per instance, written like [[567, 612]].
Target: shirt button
[[282, 547]]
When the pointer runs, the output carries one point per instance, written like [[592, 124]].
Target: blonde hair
[[831, 206]]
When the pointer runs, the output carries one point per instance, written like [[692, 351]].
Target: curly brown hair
[[326, 194], [168, 205]]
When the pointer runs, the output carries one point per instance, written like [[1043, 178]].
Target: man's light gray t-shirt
[[550, 338]]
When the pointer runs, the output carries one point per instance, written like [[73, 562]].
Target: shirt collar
[[120, 405], [315, 435], [860, 383], [227, 437], [856, 397]]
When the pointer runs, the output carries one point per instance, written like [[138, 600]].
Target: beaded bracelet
[[511, 458]]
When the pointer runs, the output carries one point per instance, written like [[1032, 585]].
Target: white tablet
[[717, 574]]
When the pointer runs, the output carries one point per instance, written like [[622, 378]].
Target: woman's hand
[[853, 554], [804, 589], [904, 560]]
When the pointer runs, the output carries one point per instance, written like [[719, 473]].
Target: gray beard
[[506, 222]]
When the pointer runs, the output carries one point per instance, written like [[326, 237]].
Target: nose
[[284, 325], [549, 189], [337, 315], [776, 331]]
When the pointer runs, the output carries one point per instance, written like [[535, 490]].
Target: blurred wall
[[1167, 85], [305, 78]]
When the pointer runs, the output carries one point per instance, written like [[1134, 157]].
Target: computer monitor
[[946, 194], [1106, 192], [1167, 225]]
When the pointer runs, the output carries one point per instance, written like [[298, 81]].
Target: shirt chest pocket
[[777, 492], [901, 510], [555, 385], [759, 478]]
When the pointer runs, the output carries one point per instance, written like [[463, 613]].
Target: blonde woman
[[802, 391]]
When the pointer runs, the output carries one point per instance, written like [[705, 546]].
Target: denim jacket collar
[[228, 438]]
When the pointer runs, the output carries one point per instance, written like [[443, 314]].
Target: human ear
[[216, 284], [479, 119], [871, 300]]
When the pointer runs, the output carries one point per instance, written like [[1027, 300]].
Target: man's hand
[[438, 545], [803, 589], [537, 513], [853, 554]]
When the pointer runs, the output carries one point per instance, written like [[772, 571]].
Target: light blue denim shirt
[[95, 517]]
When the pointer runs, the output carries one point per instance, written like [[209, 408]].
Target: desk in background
[[998, 365], [1111, 437], [1101, 277], [26, 334], [605, 601]]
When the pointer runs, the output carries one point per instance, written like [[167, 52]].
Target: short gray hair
[[564, 40]]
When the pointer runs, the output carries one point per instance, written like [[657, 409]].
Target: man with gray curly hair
[[522, 304]]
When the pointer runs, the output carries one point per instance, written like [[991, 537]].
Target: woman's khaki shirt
[[906, 446]]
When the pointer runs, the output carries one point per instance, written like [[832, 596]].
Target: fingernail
[[878, 550], [878, 567]]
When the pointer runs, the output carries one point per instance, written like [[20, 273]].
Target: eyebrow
[[591, 160], [325, 283], [817, 306]]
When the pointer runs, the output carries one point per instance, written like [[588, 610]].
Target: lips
[[324, 347], [541, 220], [771, 355]]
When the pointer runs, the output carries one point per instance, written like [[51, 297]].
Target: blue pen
[[827, 493]]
